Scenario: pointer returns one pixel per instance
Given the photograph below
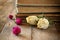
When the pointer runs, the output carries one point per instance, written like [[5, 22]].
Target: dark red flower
[[16, 30], [11, 16]]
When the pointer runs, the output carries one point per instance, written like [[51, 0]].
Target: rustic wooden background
[[30, 32], [6, 7]]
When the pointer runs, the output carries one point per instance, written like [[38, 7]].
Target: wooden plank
[[39, 2], [39, 5], [48, 16], [37, 14], [38, 9], [7, 34], [52, 33]]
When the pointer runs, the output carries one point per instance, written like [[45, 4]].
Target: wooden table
[[31, 32], [6, 8]]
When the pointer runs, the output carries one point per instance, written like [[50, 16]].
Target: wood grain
[[38, 9], [25, 9], [37, 14], [31, 32], [49, 34], [7, 34], [38, 1], [25, 34], [6, 8], [52, 33]]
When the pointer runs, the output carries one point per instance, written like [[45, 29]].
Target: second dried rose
[[18, 21]]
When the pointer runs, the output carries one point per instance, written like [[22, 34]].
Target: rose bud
[[18, 21], [11, 16], [16, 30]]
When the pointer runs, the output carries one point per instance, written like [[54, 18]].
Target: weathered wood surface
[[6, 8], [50, 34], [53, 32], [38, 9], [39, 1], [31, 32], [7, 34], [27, 6]]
